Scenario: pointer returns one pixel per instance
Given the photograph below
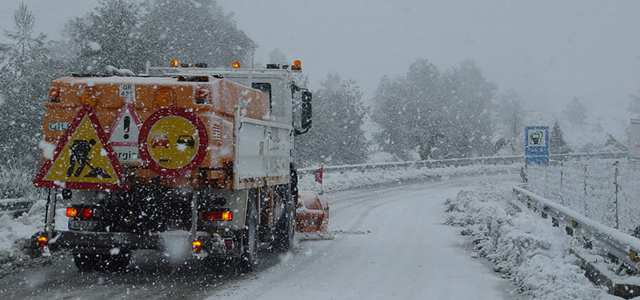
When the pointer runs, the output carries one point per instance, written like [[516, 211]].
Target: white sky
[[549, 51]]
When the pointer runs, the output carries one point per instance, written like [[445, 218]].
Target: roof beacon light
[[236, 65], [297, 66], [175, 63]]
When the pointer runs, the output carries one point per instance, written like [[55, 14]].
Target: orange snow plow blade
[[312, 216]]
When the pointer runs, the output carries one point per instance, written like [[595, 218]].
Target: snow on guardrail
[[458, 162], [621, 245]]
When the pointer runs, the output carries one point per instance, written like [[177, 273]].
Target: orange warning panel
[[83, 158]]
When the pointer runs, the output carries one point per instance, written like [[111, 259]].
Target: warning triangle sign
[[83, 158], [123, 135]]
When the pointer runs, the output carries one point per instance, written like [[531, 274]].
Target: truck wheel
[[91, 262], [285, 229], [249, 258]]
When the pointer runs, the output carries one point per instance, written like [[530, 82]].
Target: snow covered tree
[[557, 144], [509, 114], [108, 36], [408, 111], [193, 31], [24, 81], [470, 100], [338, 115], [277, 57], [634, 104], [435, 115], [575, 112]]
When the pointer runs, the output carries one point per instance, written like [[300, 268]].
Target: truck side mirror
[[306, 110]]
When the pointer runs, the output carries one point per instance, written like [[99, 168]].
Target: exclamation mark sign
[[127, 125]]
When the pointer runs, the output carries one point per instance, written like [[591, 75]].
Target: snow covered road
[[390, 243]]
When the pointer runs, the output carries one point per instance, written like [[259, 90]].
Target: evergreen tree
[[435, 115], [557, 144], [337, 136], [24, 79], [193, 31], [575, 112], [470, 105], [409, 111], [509, 114], [108, 36], [634, 105]]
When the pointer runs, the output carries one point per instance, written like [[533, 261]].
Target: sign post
[[536, 145]]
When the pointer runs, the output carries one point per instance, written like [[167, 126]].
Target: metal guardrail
[[15, 207], [624, 247], [459, 162]]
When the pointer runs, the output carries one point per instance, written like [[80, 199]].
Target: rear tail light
[[80, 212], [43, 241], [196, 246], [203, 96], [228, 243], [218, 215]]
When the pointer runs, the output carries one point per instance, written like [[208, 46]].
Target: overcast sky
[[548, 51]]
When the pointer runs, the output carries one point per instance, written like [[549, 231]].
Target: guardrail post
[[615, 201], [585, 192], [561, 179]]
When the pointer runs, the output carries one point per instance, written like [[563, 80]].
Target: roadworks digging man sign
[[536, 145], [83, 158]]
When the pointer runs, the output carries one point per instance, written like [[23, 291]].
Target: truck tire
[[249, 258], [285, 228], [91, 262]]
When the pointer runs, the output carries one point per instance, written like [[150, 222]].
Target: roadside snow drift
[[521, 245]]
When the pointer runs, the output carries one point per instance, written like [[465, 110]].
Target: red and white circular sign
[[172, 142]]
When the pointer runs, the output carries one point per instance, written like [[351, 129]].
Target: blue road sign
[[536, 145]]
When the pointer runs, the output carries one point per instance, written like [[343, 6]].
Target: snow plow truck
[[182, 157]]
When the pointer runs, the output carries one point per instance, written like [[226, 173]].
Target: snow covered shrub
[[522, 246], [15, 182]]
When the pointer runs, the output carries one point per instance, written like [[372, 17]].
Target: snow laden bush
[[522, 246], [15, 182], [14, 236]]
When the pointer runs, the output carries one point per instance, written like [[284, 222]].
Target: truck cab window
[[264, 87]]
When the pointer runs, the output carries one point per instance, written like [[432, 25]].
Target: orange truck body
[[217, 112], [240, 193]]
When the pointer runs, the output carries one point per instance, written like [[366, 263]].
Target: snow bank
[[13, 237], [521, 245]]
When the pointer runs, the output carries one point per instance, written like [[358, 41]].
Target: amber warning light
[[297, 65], [43, 241], [174, 63], [236, 65]]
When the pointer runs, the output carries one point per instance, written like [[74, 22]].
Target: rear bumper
[[103, 242], [97, 241]]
